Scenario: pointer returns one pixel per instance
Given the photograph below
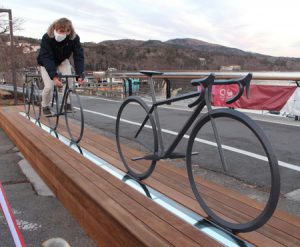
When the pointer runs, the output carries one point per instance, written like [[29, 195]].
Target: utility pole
[[12, 52]]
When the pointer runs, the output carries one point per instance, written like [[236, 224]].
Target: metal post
[[130, 87], [124, 88], [168, 89], [12, 54]]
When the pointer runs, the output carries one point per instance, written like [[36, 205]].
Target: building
[[230, 68]]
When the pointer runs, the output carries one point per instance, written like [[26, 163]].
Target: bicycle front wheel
[[74, 116], [36, 103], [53, 120], [243, 164], [26, 98], [135, 143]]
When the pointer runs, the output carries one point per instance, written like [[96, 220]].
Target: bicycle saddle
[[150, 72]]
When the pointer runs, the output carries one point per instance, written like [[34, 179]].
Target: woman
[[57, 45]]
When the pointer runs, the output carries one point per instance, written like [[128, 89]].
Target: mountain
[[180, 54], [175, 54], [190, 42]]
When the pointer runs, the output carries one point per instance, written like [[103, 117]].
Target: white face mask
[[59, 37]]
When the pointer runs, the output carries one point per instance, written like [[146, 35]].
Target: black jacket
[[53, 53]]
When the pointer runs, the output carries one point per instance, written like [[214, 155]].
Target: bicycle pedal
[[179, 155], [53, 115], [176, 155], [70, 111], [153, 157]]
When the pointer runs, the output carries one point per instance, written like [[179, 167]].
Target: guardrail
[[169, 75], [291, 76], [126, 88]]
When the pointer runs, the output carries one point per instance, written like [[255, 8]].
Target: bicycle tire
[[36, 103], [265, 213], [53, 120], [129, 146], [26, 98], [75, 131]]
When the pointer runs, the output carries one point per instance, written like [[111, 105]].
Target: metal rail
[[285, 76]]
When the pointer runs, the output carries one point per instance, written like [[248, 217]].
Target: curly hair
[[62, 23]]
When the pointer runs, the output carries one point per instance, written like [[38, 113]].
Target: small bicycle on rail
[[70, 107], [220, 141], [31, 96]]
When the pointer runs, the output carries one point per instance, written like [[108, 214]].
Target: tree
[[8, 53], [4, 23]]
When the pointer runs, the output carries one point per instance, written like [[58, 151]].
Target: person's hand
[[80, 81], [57, 82]]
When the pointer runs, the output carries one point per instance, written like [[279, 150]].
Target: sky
[[268, 27]]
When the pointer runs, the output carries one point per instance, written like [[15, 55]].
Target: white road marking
[[233, 149], [258, 118]]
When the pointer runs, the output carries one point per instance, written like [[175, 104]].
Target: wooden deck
[[114, 214]]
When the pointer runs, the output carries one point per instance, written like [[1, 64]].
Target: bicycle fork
[[214, 126]]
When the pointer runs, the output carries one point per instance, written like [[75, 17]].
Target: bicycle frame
[[204, 100], [32, 82], [32, 79], [67, 88], [63, 108]]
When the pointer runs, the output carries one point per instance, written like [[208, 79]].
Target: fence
[[272, 91], [281, 90]]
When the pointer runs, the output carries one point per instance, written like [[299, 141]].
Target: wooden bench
[[111, 212], [281, 230]]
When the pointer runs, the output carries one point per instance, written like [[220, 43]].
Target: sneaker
[[47, 112], [68, 107]]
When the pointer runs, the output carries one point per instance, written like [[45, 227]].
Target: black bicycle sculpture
[[70, 107], [31, 96], [138, 127]]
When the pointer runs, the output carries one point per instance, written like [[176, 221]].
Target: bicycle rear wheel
[[26, 98], [74, 116], [252, 170], [36, 103], [53, 120], [132, 147]]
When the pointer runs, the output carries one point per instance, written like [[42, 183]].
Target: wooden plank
[[140, 234], [273, 233], [93, 142], [253, 237], [172, 236], [293, 232]]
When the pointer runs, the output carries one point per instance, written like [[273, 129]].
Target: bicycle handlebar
[[150, 73], [204, 83], [32, 75], [60, 76], [241, 82]]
